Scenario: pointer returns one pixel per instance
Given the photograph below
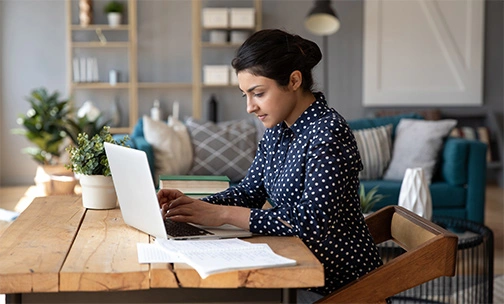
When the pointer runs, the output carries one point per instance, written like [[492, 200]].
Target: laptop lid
[[137, 197]]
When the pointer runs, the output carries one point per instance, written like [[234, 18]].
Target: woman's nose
[[251, 106]]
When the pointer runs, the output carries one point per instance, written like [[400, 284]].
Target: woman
[[307, 165]]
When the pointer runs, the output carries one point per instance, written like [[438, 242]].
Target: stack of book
[[195, 186]]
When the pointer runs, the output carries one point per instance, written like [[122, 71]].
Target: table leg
[[289, 296], [13, 298]]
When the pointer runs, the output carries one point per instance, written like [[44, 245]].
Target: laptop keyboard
[[178, 229]]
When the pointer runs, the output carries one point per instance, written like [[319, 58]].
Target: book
[[194, 185], [216, 256]]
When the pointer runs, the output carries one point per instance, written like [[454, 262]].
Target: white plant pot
[[98, 192], [114, 19]]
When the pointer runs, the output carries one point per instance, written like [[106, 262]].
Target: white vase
[[415, 194], [114, 19], [98, 192]]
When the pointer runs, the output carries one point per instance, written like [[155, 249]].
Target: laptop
[[139, 204]]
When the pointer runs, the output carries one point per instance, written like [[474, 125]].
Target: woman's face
[[269, 102]]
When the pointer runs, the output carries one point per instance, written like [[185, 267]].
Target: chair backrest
[[430, 253]]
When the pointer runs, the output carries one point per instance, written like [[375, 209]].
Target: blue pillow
[[367, 123]]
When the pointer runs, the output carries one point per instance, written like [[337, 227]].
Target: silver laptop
[[139, 204]]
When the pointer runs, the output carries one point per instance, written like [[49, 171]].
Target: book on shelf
[[216, 256], [194, 185]]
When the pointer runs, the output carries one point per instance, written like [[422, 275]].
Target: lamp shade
[[322, 19]]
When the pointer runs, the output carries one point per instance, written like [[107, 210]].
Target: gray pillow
[[226, 148], [374, 148], [417, 144]]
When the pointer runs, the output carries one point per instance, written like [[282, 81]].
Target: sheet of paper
[[151, 253], [196, 245]]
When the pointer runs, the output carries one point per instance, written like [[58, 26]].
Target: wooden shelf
[[120, 130], [100, 45], [100, 85], [211, 86], [220, 45], [227, 28], [103, 27], [164, 85]]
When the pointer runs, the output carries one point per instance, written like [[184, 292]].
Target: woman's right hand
[[167, 195]]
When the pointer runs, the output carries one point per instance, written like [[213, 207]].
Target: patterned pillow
[[226, 148], [375, 145]]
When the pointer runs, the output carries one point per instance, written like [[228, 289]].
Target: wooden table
[[57, 246]]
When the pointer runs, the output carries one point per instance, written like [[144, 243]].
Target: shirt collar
[[316, 110]]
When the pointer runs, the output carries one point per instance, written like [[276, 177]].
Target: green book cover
[[195, 177]]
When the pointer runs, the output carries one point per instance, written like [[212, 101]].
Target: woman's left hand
[[186, 209]]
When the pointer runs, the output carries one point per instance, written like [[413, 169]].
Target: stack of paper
[[194, 185], [215, 256]]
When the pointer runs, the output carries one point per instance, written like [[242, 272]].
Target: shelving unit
[[129, 46], [194, 86], [199, 45]]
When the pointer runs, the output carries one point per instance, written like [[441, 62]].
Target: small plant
[[367, 201], [45, 125], [114, 7], [88, 157]]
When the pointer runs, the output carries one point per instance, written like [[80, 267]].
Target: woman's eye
[[258, 94]]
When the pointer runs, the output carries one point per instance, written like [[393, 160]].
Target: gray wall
[[33, 54]]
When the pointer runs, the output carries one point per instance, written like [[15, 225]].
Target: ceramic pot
[[415, 194], [114, 19], [98, 192], [54, 180]]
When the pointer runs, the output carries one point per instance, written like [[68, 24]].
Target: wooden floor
[[18, 198]]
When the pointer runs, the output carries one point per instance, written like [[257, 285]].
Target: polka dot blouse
[[309, 173]]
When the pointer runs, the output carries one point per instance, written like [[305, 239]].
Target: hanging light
[[322, 19]]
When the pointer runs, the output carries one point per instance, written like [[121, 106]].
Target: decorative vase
[[85, 12], [114, 19], [98, 192], [54, 180], [415, 194]]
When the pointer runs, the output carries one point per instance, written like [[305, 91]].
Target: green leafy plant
[[45, 125], [368, 200], [113, 7], [88, 156]]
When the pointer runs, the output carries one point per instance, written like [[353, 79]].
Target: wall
[[32, 54]]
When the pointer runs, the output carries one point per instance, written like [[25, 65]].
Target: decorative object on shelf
[[415, 194], [323, 21], [368, 200], [212, 109], [156, 112], [242, 17], [216, 74], [114, 12], [101, 36], [89, 160], [113, 77], [85, 12], [215, 17], [239, 37], [175, 110], [114, 113], [218, 36], [85, 69]]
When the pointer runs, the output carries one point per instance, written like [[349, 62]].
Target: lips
[[261, 117]]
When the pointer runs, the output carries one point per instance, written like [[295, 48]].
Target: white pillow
[[417, 144], [171, 144], [374, 146]]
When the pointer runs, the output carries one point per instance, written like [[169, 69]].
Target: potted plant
[[368, 200], [45, 125], [89, 160], [114, 10]]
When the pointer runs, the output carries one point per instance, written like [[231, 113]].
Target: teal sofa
[[457, 188]]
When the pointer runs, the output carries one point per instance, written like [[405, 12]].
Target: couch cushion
[[226, 148], [417, 144], [375, 148], [366, 123], [447, 196], [171, 145], [454, 165]]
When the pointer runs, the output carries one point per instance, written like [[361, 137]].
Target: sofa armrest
[[464, 164]]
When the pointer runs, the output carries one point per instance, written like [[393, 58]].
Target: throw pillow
[[171, 145], [374, 147], [417, 144], [226, 148]]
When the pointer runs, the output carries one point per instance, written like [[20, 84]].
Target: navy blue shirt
[[309, 172]]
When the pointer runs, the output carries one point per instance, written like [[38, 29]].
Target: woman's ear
[[296, 79]]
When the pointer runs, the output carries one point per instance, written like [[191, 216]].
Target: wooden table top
[[58, 245]]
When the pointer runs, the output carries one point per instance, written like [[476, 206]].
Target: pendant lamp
[[322, 20]]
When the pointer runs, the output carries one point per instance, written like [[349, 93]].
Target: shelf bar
[[100, 85], [164, 85], [100, 45], [220, 45], [103, 27]]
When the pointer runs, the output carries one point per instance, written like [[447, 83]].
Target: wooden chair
[[430, 253]]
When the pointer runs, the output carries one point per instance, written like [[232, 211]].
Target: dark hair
[[275, 54]]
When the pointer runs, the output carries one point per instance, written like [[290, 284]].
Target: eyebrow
[[252, 88]]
